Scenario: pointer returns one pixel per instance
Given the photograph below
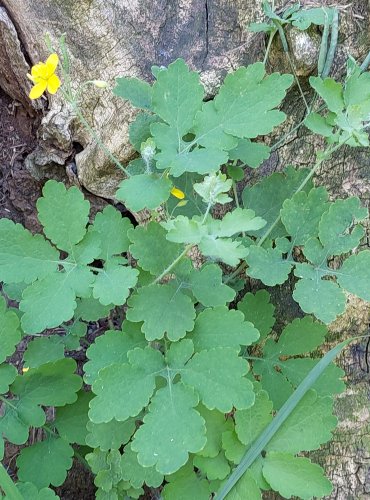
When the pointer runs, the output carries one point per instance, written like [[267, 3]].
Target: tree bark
[[110, 38]]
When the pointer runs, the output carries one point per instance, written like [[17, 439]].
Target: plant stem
[[269, 43], [173, 264], [7, 485], [267, 233]]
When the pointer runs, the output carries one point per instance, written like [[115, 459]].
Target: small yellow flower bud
[[101, 84], [25, 369], [177, 193]]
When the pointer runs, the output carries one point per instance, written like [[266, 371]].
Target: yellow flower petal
[[177, 193], [38, 90], [38, 70], [25, 369], [51, 64], [53, 84]]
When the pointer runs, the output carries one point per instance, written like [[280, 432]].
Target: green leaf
[[52, 384], [213, 187], [138, 92], [307, 427], [245, 488], [90, 309], [258, 310], [330, 91], [144, 191], [137, 475], [218, 376], [222, 327], [322, 298], [64, 213], [179, 157], [268, 265], [45, 462], [151, 248], [107, 223], [139, 129], [207, 287], [301, 336], [177, 96], [302, 213], [113, 283], [246, 100], [10, 333], [250, 153], [43, 350], [186, 486], [214, 468], [170, 312], [251, 422], [216, 425], [295, 476], [132, 383], [303, 18], [224, 249], [111, 348], [29, 490], [108, 473], [172, 408], [234, 449], [318, 125], [14, 290], [238, 221], [266, 197], [24, 257], [354, 275], [329, 383], [87, 250], [338, 230], [184, 230], [109, 435], [48, 303], [7, 376], [18, 418], [71, 419]]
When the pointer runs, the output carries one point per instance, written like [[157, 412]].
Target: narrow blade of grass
[[258, 446]]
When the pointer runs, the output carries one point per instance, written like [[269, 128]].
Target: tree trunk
[[109, 38]]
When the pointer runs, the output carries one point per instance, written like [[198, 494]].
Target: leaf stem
[[269, 43], [8, 486], [173, 264]]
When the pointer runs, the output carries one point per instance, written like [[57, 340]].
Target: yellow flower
[[177, 193], [44, 78], [25, 369]]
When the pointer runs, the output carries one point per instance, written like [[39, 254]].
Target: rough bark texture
[[110, 38]]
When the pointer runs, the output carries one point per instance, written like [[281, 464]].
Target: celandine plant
[[195, 395]]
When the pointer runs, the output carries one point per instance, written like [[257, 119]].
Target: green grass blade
[[258, 446], [7, 485]]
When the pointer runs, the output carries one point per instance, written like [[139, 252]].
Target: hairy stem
[[173, 264]]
